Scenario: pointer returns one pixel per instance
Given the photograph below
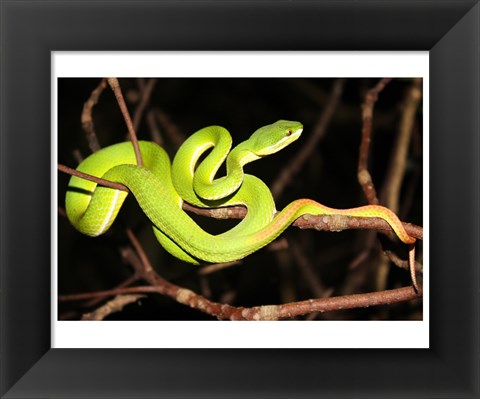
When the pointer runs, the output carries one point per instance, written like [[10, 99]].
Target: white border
[[285, 334]]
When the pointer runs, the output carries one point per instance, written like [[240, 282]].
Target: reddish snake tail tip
[[411, 263]]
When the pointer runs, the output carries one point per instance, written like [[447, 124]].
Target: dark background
[[330, 176]]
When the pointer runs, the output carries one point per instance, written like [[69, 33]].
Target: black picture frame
[[30, 30]]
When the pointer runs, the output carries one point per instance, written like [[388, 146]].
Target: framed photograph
[[260, 280], [345, 237]]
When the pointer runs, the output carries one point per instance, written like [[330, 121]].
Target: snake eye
[[288, 132]]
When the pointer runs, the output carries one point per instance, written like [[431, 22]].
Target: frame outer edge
[[19, 315]]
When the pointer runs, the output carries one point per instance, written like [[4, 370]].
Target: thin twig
[[285, 286], [77, 155], [98, 180], [311, 278], [87, 119], [145, 92], [363, 174], [217, 267], [205, 286], [295, 166], [398, 160], [130, 256], [113, 306], [403, 264], [115, 85], [409, 194], [92, 302], [139, 249], [153, 128], [382, 271], [364, 177], [125, 283]]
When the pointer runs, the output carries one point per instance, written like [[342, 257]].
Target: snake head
[[272, 138]]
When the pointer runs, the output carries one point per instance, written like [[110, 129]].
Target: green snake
[[161, 186]]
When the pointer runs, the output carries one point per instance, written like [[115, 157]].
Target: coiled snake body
[[160, 187]]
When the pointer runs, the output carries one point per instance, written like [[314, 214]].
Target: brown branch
[[153, 128], [115, 85], [77, 155], [340, 222], [295, 165], [145, 91], [285, 286], [139, 249], [363, 174], [229, 212], [397, 166], [125, 283], [87, 119], [396, 169], [217, 267], [318, 289], [115, 305], [106, 293], [409, 193], [98, 180], [348, 302], [237, 212], [88, 304], [391, 189], [324, 222], [142, 266], [364, 177], [266, 312]]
